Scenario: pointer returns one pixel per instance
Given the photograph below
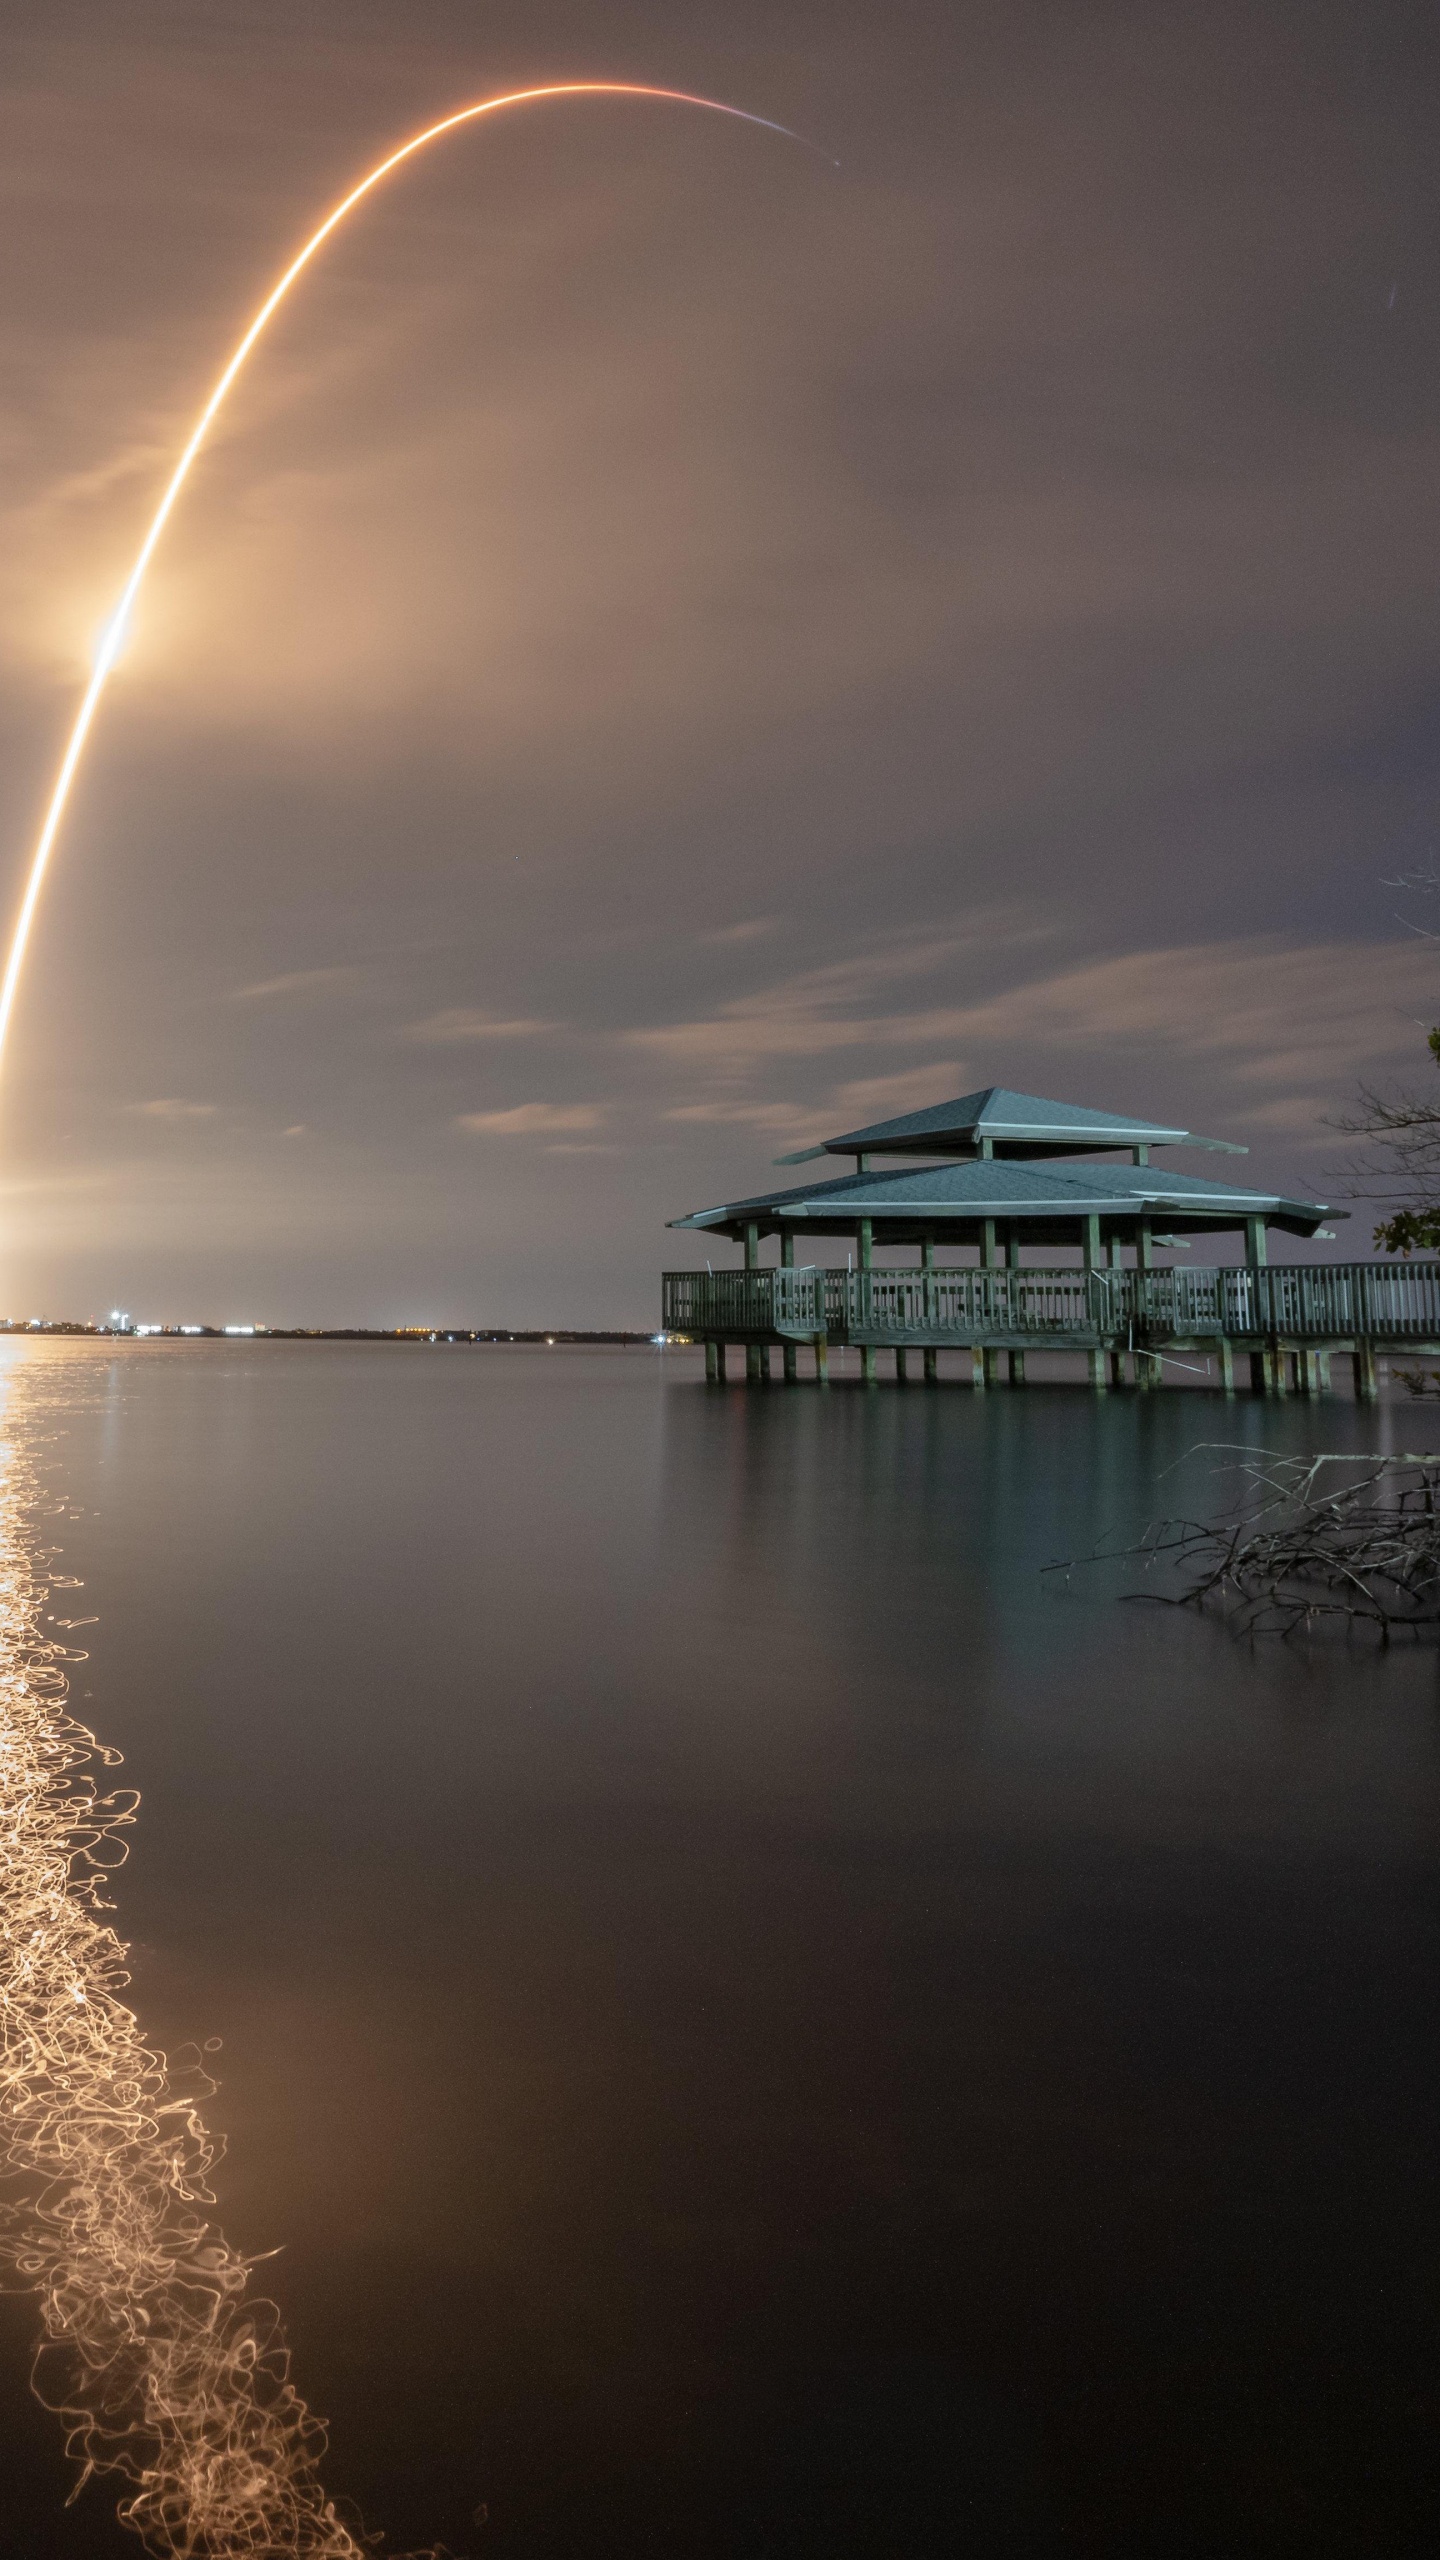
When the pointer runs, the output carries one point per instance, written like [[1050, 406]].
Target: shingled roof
[[999, 1122], [1043, 1204]]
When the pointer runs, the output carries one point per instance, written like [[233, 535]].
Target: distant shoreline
[[555, 1336]]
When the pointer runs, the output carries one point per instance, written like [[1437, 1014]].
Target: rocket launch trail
[[115, 630]]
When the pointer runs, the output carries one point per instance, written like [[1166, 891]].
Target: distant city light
[[239, 1328]]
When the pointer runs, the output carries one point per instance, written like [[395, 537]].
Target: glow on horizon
[[116, 631]]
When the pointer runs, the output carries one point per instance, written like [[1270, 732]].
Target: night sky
[[679, 648]]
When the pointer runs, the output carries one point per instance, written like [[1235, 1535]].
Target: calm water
[[762, 2027]]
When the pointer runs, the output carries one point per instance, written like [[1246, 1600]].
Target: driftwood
[[1303, 1547]]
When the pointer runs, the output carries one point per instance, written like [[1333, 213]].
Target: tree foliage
[[1402, 1161]]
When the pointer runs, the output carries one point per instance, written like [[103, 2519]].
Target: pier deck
[[1288, 1318]]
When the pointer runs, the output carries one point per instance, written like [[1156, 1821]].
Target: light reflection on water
[[761, 2025], [162, 2366]]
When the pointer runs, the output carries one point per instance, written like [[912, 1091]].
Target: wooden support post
[[1257, 1373], [865, 1240], [927, 1264], [720, 1350], [787, 1363], [1092, 1258], [1322, 1372], [1117, 1358], [1147, 1368], [1012, 1262], [987, 1373], [980, 1377], [752, 1261], [1307, 1365], [712, 1363], [1367, 1384], [787, 1263], [900, 1368], [822, 1361], [1279, 1369], [1227, 1366]]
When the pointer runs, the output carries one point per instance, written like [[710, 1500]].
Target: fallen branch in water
[[1298, 1551]]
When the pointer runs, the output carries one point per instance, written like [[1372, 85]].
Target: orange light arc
[[118, 624]]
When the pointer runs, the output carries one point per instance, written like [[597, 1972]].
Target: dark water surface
[[764, 2028]]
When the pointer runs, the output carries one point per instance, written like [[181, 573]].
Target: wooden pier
[[1020, 1175], [1287, 1320]]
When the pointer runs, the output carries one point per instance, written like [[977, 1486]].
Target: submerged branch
[[1299, 1549]]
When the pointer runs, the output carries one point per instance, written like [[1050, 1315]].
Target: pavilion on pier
[[1017, 1177]]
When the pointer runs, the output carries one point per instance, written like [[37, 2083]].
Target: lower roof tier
[[1047, 1204]]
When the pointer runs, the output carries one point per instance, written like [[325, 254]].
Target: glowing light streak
[[116, 630]]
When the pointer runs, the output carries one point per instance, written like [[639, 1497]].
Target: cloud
[[802, 1016], [1273, 1014], [531, 1119], [813, 1012], [1257, 1039], [1314, 1010], [295, 982], [753, 930], [169, 1109], [755, 1115], [883, 1097], [463, 1022]]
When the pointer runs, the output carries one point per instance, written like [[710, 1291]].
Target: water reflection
[[762, 2027], [162, 2366]]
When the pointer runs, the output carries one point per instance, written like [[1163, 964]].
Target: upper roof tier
[[996, 1122]]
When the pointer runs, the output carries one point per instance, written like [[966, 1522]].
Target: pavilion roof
[[1045, 1199], [1013, 1124]]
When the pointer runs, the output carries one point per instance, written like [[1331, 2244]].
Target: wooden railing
[[1292, 1302]]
